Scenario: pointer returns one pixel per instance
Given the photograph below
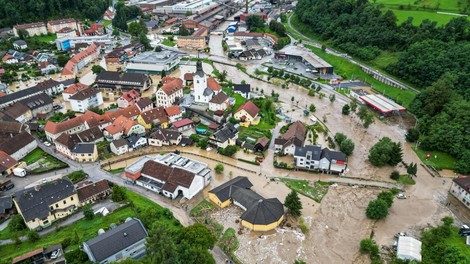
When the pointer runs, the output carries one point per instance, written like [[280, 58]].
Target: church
[[204, 87]]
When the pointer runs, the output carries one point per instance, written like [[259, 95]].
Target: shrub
[[219, 168], [33, 236], [118, 194], [88, 212], [395, 175], [16, 223], [377, 209]]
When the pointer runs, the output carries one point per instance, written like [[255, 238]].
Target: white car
[[47, 143], [209, 149], [401, 196]]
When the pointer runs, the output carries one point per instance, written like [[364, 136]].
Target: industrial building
[[382, 104], [154, 62], [315, 63]]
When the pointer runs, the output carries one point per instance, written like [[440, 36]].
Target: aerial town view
[[234, 131]]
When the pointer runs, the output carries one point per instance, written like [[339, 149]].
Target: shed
[[409, 248]]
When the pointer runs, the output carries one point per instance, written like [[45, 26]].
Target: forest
[[434, 58], [27, 11]]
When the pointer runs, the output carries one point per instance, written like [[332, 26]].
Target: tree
[[312, 108], [346, 109], [183, 31], [116, 33], [332, 98], [340, 137], [228, 151], [62, 60], [463, 166], [292, 99], [377, 209], [202, 143], [223, 76], [158, 49], [347, 147], [387, 197], [412, 169], [88, 212], [293, 204], [16, 223], [33, 236], [395, 175], [298, 261], [135, 29], [219, 168], [199, 235], [194, 254], [353, 105], [118, 194], [254, 22], [163, 74], [311, 92], [385, 152], [97, 69], [366, 116], [412, 134], [160, 244]]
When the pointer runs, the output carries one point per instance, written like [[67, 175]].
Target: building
[[73, 89], [144, 104], [38, 104], [66, 43], [171, 90], [79, 61], [71, 126], [156, 117], [51, 87], [315, 158], [32, 29], [242, 89], [154, 62], [124, 241], [85, 152], [409, 249], [174, 113], [305, 56], [7, 164], [19, 112], [183, 125], [47, 67], [119, 146], [20, 44], [460, 188], [294, 137], [260, 214], [6, 207], [93, 192], [247, 112], [85, 99], [135, 142], [191, 42], [11, 98], [66, 32], [123, 53], [171, 175], [382, 104], [219, 102], [127, 81], [204, 88], [18, 145], [164, 137], [55, 26], [51, 254], [128, 98], [43, 204], [122, 126], [226, 136]]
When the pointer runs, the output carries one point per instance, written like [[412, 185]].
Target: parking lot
[[299, 68]]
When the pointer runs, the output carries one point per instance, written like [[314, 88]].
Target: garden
[[39, 161], [315, 191]]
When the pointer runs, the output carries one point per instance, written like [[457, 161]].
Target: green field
[[439, 160], [419, 16], [315, 191], [169, 43], [46, 161], [446, 6]]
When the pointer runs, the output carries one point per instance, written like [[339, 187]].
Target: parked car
[[47, 143], [400, 234], [401, 196]]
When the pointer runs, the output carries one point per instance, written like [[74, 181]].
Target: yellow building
[[43, 204], [156, 116], [246, 112], [85, 152], [191, 42], [260, 214]]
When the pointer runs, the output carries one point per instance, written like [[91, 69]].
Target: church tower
[[200, 84]]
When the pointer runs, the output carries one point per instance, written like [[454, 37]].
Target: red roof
[[183, 122], [189, 76], [250, 108], [213, 84], [172, 110], [74, 88], [171, 20], [172, 86], [130, 96]]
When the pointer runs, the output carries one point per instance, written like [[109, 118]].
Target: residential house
[[127, 81], [124, 241], [131, 112], [9, 59], [6, 207], [19, 112], [65, 143], [20, 44], [243, 89], [144, 104], [11, 98], [93, 192], [71, 126], [135, 142], [122, 126], [128, 98], [43, 204], [73, 89], [154, 117], [54, 26], [12, 128], [174, 113], [85, 99], [262, 144], [79, 61], [247, 112], [18, 145], [51, 87], [191, 42], [164, 137], [123, 53], [333, 161], [66, 32], [32, 29], [188, 78], [183, 125], [169, 92], [460, 189], [47, 67], [294, 137], [38, 104], [7, 164], [91, 135], [219, 102], [313, 157], [226, 136], [119, 146], [85, 152]]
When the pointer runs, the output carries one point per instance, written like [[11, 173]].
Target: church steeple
[[199, 71]]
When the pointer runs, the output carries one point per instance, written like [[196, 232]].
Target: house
[[11, 98], [262, 144], [19, 112], [124, 241], [80, 60], [19, 145], [6, 207], [144, 104], [9, 59], [314, 157], [183, 125], [242, 89], [131, 112], [409, 249], [54, 26], [86, 99], [154, 117], [127, 81], [7, 164], [260, 214], [219, 102], [171, 90], [109, 14], [71, 126], [294, 137], [66, 32], [119, 146], [135, 142], [164, 137], [226, 136], [153, 62], [460, 189], [20, 44], [43, 204], [151, 25], [51, 87], [91, 135], [188, 78], [174, 113], [204, 88], [38, 104], [47, 67], [65, 143], [73, 89], [51, 254], [31, 29], [128, 98], [123, 53], [93, 192], [122, 126], [85, 152], [246, 112], [12, 128]]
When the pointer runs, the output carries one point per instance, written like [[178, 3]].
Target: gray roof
[[6, 203], [244, 88], [165, 134], [84, 148], [37, 101], [223, 192], [246, 197], [117, 239], [119, 143], [132, 139], [333, 155], [34, 202], [227, 132], [208, 91], [315, 151], [264, 212], [19, 95], [199, 70], [20, 42]]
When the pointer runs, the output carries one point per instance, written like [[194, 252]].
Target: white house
[[219, 102], [20, 44], [119, 146], [226, 136], [460, 188], [315, 158], [73, 89], [85, 99], [242, 89], [171, 90], [174, 113], [136, 142], [164, 137]]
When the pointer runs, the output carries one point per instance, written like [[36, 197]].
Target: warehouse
[[315, 63], [382, 104], [154, 62]]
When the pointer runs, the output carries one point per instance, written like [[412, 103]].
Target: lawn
[[77, 176], [439, 160], [168, 42], [406, 180], [350, 70], [229, 242], [86, 229], [116, 171], [46, 161], [239, 100], [104, 150], [202, 206], [457, 241], [385, 58], [106, 23], [45, 38], [316, 191], [419, 16]]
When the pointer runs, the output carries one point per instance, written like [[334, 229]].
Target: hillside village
[[215, 132]]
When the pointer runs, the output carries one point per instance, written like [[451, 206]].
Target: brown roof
[[74, 88], [92, 189], [182, 123], [6, 161], [213, 84], [188, 76], [47, 84], [172, 86], [248, 34], [464, 182], [94, 119], [62, 21], [296, 130], [153, 114], [16, 110], [84, 94], [264, 141], [143, 103], [121, 123], [12, 127], [30, 25], [15, 143], [250, 108], [219, 98], [55, 128], [28, 255], [173, 110], [129, 112], [171, 176], [130, 96], [67, 140], [165, 134], [91, 134]]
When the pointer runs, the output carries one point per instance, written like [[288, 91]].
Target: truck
[[20, 172]]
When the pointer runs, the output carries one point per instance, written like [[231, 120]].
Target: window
[[52, 207], [71, 198], [56, 205], [65, 202]]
